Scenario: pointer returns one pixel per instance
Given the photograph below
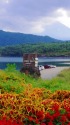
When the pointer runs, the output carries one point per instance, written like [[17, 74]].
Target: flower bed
[[35, 106], [4, 121]]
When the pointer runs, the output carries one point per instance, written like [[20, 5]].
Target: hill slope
[[10, 38]]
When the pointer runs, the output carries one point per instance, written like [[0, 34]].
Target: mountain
[[58, 31], [11, 38]]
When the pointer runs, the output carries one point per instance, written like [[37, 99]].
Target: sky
[[40, 17]]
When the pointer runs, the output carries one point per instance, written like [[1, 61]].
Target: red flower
[[40, 115], [68, 115], [55, 107], [28, 109], [48, 116], [69, 123], [31, 118], [11, 112], [50, 123], [42, 124], [9, 122], [36, 121], [63, 118], [56, 115], [33, 111]]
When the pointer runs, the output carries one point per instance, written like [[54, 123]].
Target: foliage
[[11, 67], [11, 80], [42, 48]]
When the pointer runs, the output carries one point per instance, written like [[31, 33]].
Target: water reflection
[[58, 61]]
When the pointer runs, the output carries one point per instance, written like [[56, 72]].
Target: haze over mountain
[[39, 17], [11, 38], [58, 31]]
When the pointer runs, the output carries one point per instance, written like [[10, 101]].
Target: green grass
[[61, 82], [13, 80]]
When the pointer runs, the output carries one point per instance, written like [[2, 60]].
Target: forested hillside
[[43, 49], [11, 38]]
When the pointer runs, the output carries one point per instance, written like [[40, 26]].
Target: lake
[[58, 61]]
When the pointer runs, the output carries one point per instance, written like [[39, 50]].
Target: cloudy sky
[[41, 17]]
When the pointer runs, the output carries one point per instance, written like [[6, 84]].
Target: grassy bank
[[13, 80]]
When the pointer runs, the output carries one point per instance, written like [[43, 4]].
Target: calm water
[[58, 61]]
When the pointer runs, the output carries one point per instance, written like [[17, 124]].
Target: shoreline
[[51, 72]]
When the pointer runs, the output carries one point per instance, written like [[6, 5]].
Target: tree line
[[43, 49]]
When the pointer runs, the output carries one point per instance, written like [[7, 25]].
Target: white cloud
[[7, 1], [4, 1], [38, 26], [63, 17]]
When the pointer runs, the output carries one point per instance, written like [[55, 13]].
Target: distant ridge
[[11, 38], [58, 30]]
